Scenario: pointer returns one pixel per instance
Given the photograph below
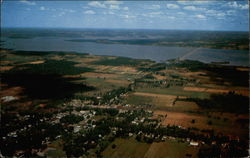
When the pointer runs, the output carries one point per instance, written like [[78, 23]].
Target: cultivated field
[[129, 148], [126, 148], [171, 149]]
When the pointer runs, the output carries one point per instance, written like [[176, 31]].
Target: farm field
[[176, 91], [111, 98], [171, 148], [55, 150], [220, 123], [129, 148], [126, 148]]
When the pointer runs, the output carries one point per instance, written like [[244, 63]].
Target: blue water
[[156, 53]]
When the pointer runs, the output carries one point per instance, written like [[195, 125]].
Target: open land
[[70, 104]]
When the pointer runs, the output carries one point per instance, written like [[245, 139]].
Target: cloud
[[69, 10], [97, 4], [113, 2], [128, 16], [182, 2], [211, 11], [153, 14], [230, 12], [63, 10], [220, 16], [154, 6], [172, 6], [125, 8], [156, 13], [181, 13], [42, 8], [61, 13], [236, 5], [171, 17], [90, 12], [193, 8], [27, 2], [72, 11], [200, 16], [199, 2], [244, 6], [109, 12], [114, 7]]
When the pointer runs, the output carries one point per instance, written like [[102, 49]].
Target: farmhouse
[[193, 143]]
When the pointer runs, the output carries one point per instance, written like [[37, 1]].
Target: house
[[193, 143], [8, 98], [77, 129]]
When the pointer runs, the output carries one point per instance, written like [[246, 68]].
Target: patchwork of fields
[[129, 148], [148, 107]]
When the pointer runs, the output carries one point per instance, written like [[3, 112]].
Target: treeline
[[45, 53], [228, 74], [100, 111], [46, 81], [50, 67], [152, 68], [229, 102], [191, 65], [218, 73], [112, 96], [71, 119], [118, 61]]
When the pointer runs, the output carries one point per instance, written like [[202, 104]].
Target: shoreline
[[221, 63]]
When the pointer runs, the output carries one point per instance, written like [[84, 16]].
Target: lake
[[156, 53]]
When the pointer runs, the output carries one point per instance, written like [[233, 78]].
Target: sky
[[173, 15]]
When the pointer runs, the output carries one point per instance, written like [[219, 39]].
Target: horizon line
[[34, 27]]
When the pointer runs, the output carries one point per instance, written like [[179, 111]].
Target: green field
[[177, 91], [130, 148], [138, 100], [56, 151], [171, 149], [126, 148]]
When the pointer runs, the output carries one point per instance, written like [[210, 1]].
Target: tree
[[113, 146], [209, 122]]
